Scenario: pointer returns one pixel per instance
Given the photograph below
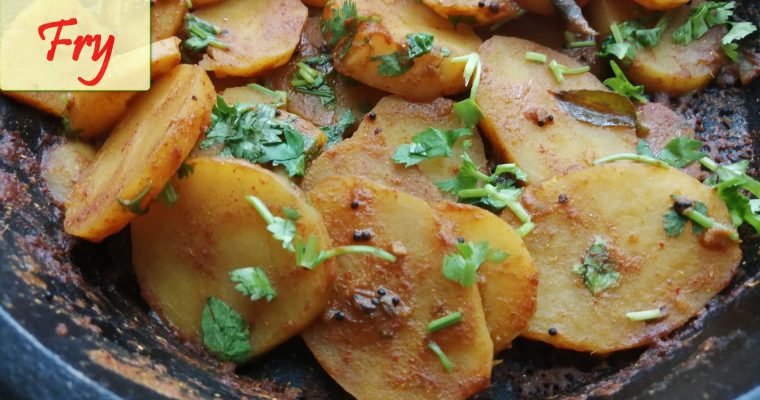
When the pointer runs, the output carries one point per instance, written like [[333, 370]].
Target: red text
[[99, 51]]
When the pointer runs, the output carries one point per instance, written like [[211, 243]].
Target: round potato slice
[[379, 350], [622, 205], [431, 76], [166, 18], [516, 101], [143, 152], [261, 35], [508, 288], [182, 255], [368, 152], [676, 69], [473, 13]]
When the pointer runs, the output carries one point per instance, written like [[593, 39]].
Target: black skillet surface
[[73, 325]]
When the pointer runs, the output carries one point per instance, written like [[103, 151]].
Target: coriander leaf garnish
[[254, 283], [685, 209], [681, 152], [739, 30], [701, 19], [444, 322], [620, 84], [462, 267], [310, 81], [201, 34], [630, 35], [168, 195], [279, 98], [418, 44], [342, 23], [282, 229], [393, 64], [308, 255], [185, 170], [468, 112], [560, 70], [597, 269], [135, 205], [674, 221], [225, 333], [645, 315], [430, 143], [497, 193], [433, 346], [252, 132], [336, 132]]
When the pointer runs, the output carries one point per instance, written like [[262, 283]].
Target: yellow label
[[75, 45]]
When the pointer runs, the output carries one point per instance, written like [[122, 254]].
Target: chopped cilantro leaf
[[642, 147], [739, 30], [468, 112], [628, 36], [135, 205], [418, 44], [279, 97], [252, 132], [336, 132], [282, 229], [185, 170], [702, 18], [254, 283], [310, 81], [342, 23], [620, 84], [681, 152], [597, 269], [462, 267], [168, 195], [201, 34], [393, 64], [430, 143], [225, 333]]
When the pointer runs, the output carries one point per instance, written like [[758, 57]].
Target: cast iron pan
[[73, 324]]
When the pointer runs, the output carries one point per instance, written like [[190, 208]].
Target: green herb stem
[[708, 163], [433, 346], [579, 44], [525, 229], [445, 322], [709, 223], [358, 249], [632, 157], [645, 315], [577, 71], [535, 57], [261, 208]]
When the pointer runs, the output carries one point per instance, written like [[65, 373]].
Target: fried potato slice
[[515, 97], [261, 35], [472, 12], [368, 152], [191, 247], [63, 164], [433, 75], [676, 69], [622, 204], [662, 125], [380, 351], [166, 18], [144, 151], [508, 288]]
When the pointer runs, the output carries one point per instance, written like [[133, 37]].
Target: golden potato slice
[[623, 205], [661, 4], [432, 74], [166, 18], [144, 151], [349, 94], [261, 35], [62, 165], [50, 102], [368, 152], [164, 56], [183, 254], [380, 351], [515, 96], [466, 10], [247, 94], [675, 69], [603, 13], [508, 288]]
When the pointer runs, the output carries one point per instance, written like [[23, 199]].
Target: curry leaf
[[598, 107]]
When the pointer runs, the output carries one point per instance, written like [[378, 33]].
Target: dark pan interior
[[73, 324]]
